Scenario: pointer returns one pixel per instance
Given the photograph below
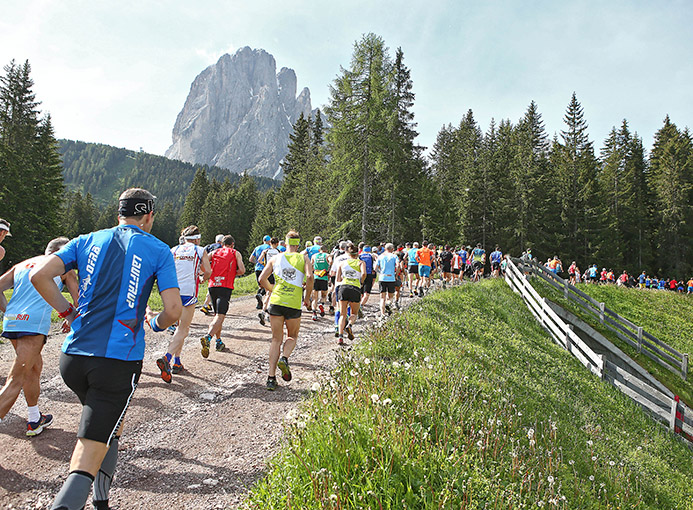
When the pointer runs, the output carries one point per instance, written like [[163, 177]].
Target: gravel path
[[200, 442]]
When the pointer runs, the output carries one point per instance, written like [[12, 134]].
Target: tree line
[[365, 178]]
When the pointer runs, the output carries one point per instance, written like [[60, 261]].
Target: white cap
[[4, 226]]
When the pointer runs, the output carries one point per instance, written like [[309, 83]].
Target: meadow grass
[[666, 315], [463, 401]]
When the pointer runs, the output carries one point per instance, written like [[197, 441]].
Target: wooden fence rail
[[670, 411], [635, 336]]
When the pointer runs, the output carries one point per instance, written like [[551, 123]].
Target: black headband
[[135, 206]]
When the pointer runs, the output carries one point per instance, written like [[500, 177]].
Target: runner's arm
[[71, 281], [239, 264], [6, 282], [41, 277], [253, 257], [263, 280], [206, 267], [309, 280], [363, 270], [2, 253]]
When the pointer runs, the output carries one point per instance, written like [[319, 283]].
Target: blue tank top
[[387, 263], [368, 259], [27, 311], [412, 257], [117, 269]]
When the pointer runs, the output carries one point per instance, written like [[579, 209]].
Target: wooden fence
[[635, 336], [673, 413]]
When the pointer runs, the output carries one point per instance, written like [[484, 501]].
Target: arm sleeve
[[68, 254], [166, 276]]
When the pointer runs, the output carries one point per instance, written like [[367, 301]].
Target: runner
[[413, 268], [317, 243], [423, 258], [336, 262], [254, 259], [573, 270], [206, 307], [387, 268], [690, 286], [446, 259], [400, 272], [290, 269], [351, 273], [370, 260], [555, 265], [496, 257], [321, 268], [227, 264], [264, 258], [478, 261], [641, 280], [26, 323], [4, 232], [456, 265], [102, 355], [191, 262]]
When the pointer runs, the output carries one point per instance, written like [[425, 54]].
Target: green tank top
[[289, 275], [351, 272], [321, 267]]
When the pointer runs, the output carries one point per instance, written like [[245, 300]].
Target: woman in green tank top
[[291, 269], [351, 274]]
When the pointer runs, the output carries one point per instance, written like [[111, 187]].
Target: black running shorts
[[388, 287], [105, 387], [446, 268], [320, 285], [495, 265], [456, 271], [367, 284], [414, 269], [284, 311], [349, 293], [477, 265], [220, 299]]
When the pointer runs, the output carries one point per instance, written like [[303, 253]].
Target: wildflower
[[375, 398], [550, 479], [530, 433], [540, 504], [387, 402], [591, 478], [612, 463], [571, 462], [427, 359], [430, 367], [395, 364], [315, 387], [479, 444], [532, 442], [594, 458], [367, 361], [354, 373], [333, 384], [590, 443], [350, 397]]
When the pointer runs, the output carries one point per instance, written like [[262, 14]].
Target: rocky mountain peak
[[239, 114]]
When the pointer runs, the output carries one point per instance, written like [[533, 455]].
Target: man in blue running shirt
[[102, 355], [386, 266], [412, 267], [496, 257]]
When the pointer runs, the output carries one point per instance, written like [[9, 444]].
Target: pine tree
[[31, 186], [193, 209], [671, 179], [300, 146], [318, 138]]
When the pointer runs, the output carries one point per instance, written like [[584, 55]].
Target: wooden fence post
[[565, 289], [684, 366], [603, 370], [601, 313], [672, 418], [639, 339]]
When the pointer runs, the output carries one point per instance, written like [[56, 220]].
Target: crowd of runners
[[110, 275]]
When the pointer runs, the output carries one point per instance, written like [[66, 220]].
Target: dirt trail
[[200, 442]]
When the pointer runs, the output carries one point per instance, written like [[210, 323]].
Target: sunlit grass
[[463, 401]]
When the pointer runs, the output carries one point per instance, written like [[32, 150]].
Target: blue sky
[[119, 72]]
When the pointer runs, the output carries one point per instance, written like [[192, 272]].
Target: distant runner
[[351, 274], [255, 259]]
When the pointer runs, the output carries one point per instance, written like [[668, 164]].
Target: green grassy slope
[[666, 315], [463, 401]]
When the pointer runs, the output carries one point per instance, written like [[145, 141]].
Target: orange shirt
[[423, 256]]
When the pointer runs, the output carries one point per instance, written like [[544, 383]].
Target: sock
[[74, 492], [34, 414], [168, 357], [176, 361], [102, 483], [349, 311], [336, 317]]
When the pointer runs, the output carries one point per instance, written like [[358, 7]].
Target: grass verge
[[667, 315], [463, 401]]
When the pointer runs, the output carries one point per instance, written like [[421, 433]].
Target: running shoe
[[397, 305], [322, 310], [283, 365], [205, 341], [331, 310], [271, 383], [261, 316], [336, 331], [388, 308], [165, 368], [350, 333], [177, 368], [34, 428], [171, 329], [220, 345], [315, 316], [360, 313], [207, 310], [259, 301], [340, 340]]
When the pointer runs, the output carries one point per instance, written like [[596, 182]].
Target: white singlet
[[188, 258]]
